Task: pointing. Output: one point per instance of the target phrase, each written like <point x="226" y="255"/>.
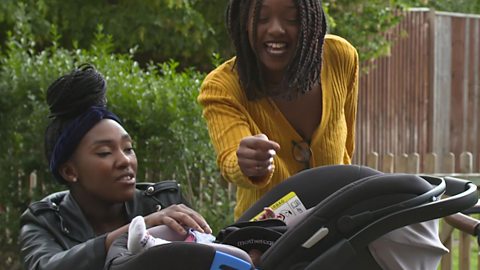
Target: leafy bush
<point x="157" y="105"/>
<point x="162" y="29"/>
<point x="191" y="30"/>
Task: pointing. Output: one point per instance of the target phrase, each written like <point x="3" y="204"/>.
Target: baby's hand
<point x="269" y="214"/>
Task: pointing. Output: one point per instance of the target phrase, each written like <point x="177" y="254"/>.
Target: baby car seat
<point x="350" y="207"/>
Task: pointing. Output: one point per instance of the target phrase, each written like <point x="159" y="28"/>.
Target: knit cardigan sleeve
<point x="228" y="121"/>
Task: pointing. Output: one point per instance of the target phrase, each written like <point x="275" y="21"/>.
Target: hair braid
<point x="307" y="62"/>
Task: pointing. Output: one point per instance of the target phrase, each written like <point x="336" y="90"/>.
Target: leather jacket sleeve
<point x="41" y="250"/>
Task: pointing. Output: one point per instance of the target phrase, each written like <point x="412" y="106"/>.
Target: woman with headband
<point x="91" y="153"/>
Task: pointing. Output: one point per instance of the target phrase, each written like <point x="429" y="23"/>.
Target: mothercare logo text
<point x="254" y="241"/>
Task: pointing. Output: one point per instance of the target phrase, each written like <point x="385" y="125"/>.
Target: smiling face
<point x="276" y="36"/>
<point x="103" y="166"/>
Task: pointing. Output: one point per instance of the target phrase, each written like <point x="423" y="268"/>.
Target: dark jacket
<point x="56" y="235"/>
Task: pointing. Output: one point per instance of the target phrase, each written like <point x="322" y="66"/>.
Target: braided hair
<point x="303" y="71"/>
<point x="68" y="97"/>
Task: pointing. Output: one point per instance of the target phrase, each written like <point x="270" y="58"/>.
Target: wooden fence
<point x="425" y="96"/>
<point x="432" y="165"/>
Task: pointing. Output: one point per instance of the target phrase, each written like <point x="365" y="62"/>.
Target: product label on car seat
<point x="285" y="209"/>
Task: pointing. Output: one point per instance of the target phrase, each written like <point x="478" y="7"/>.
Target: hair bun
<point x="73" y="93"/>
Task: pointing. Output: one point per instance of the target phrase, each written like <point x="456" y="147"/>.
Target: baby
<point x="141" y="239"/>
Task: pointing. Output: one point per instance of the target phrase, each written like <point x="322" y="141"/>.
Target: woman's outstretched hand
<point x="177" y="217"/>
<point x="255" y="155"/>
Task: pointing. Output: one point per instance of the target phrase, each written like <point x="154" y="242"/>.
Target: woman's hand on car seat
<point x="178" y="217"/>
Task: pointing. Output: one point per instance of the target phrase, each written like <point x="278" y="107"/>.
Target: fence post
<point x="372" y="160"/>
<point x="387" y="164"/>
<point x="466" y="162"/>
<point x="446" y="238"/>
<point x="401" y="163"/>
<point x="448" y="164"/>
<point x="446" y="232"/>
<point x="32" y="185"/>
<point x="466" y="166"/>
<point x="429" y="163"/>
<point x="413" y="165"/>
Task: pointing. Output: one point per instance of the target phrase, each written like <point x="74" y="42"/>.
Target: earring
<point x="74" y="179"/>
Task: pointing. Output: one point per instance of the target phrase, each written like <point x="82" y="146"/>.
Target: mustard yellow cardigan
<point x="230" y="117"/>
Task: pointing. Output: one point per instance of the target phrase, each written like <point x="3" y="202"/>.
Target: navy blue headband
<point x="73" y="133"/>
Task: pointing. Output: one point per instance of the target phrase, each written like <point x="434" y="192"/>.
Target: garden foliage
<point x="189" y="31"/>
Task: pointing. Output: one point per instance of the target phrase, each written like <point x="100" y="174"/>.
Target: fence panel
<point x="425" y="96"/>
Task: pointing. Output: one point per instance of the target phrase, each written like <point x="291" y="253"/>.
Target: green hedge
<point x="157" y="105"/>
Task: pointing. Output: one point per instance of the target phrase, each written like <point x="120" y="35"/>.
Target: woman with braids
<point x="286" y="102"/>
<point x="91" y="153"/>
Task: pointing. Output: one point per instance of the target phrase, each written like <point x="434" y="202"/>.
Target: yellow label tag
<point x="285" y="208"/>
